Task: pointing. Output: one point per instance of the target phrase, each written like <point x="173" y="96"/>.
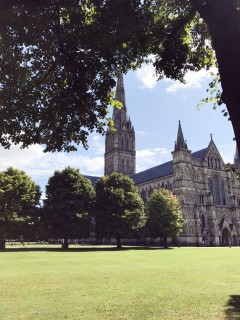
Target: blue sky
<point x="155" y="109"/>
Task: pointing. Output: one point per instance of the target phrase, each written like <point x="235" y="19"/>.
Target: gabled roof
<point x="159" y="171"/>
<point x="200" y="154"/>
<point x="212" y="146"/>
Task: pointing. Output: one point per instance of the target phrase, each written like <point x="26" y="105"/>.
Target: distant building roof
<point x="92" y="179"/>
<point x="200" y="154"/>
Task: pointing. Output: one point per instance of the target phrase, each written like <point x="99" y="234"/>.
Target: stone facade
<point x="209" y="195"/>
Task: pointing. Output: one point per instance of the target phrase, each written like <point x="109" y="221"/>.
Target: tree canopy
<point x="183" y="36"/>
<point x="68" y="206"/>
<point x="19" y="198"/>
<point x="164" y="216"/>
<point x="119" y="207"/>
<point x="58" y="60"/>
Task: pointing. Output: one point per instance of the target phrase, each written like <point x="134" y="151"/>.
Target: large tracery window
<point x="210" y="184"/>
<point x="127" y="165"/>
<point x="217" y="190"/>
<point x="127" y="144"/>
<point x="223" y="195"/>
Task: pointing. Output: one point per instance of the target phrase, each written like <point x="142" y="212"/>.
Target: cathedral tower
<point x="120" y="154"/>
<point x="184" y="188"/>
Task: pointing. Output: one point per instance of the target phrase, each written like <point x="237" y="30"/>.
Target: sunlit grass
<point x="104" y="283"/>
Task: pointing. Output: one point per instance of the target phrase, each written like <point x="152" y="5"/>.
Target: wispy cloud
<point x="147" y="158"/>
<point x="193" y="79"/>
<point x="146" y="75"/>
<point x="150" y="153"/>
<point x="40" y="165"/>
<point x="98" y="145"/>
<point x="143" y="133"/>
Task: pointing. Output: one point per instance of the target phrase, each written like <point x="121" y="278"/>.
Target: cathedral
<point x="209" y="195"/>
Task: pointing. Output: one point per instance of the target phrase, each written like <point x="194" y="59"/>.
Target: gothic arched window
<point x="223" y="195"/>
<point x="123" y="165"/>
<point x="127" y="143"/>
<point x="210" y="185"/>
<point x="216" y="188"/>
<point x="127" y="165"/>
<point x="123" y="143"/>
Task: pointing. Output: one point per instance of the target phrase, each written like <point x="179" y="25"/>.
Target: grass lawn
<point x="102" y="283"/>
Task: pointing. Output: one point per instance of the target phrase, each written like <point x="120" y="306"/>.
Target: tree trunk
<point x="65" y="244"/>
<point x="223" y="21"/>
<point x="165" y="243"/>
<point x="119" y="243"/>
<point x="2" y="244"/>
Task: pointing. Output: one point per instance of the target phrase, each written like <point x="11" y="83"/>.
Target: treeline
<point x="72" y="208"/>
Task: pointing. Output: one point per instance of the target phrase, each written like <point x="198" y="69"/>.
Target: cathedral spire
<point x="120" y="115"/>
<point x="120" y="92"/>
<point x="180" y="143"/>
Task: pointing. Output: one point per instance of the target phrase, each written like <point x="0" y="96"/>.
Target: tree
<point x="68" y="205"/>
<point x="19" y="200"/>
<point x="119" y="208"/>
<point x="182" y="37"/>
<point x="164" y="216"/>
<point x="58" y="60"/>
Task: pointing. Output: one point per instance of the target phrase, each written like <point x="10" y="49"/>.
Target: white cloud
<point x="161" y="150"/>
<point x="140" y="168"/>
<point x="98" y="145"/>
<point x="145" y="154"/>
<point x="40" y="166"/>
<point x="147" y="158"/>
<point x="151" y="153"/>
<point x="193" y="79"/>
<point x="143" y="133"/>
<point x="146" y="76"/>
<point x="18" y="157"/>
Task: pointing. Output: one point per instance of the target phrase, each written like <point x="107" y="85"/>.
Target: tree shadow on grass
<point x="233" y="308"/>
<point x="82" y="249"/>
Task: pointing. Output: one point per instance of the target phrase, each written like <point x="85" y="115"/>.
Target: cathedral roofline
<point x="163" y="170"/>
<point x="160" y="171"/>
